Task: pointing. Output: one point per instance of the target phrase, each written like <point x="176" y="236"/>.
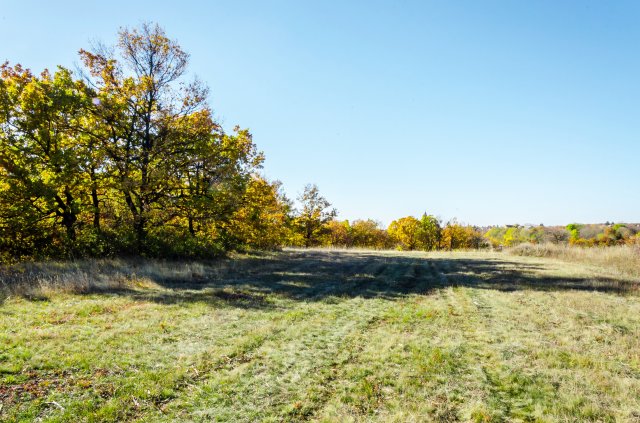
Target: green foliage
<point x="315" y="213"/>
<point x="495" y="236"/>
<point x="262" y="219"/>
<point x="41" y="157"/>
<point x="429" y="233"/>
<point x="127" y="160"/>
<point x="574" y="232"/>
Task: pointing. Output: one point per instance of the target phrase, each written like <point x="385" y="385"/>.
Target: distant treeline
<point x="125" y="158"/>
<point x="587" y="235"/>
<point x="429" y="233"/>
<point x="408" y="233"/>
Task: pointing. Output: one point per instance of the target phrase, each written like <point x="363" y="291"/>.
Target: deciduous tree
<point x="315" y="212"/>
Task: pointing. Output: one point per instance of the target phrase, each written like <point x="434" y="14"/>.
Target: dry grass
<point x="623" y="259"/>
<point x="35" y="280"/>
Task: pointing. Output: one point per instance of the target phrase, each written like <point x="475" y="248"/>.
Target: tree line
<point x="583" y="235"/>
<point x="407" y="234"/>
<point x="124" y="157"/>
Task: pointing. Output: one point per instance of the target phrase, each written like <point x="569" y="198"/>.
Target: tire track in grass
<point x="329" y="373"/>
<point x="309" y="353"/>
<point x="316" y="331"/>
<point x="196" y="368"/>
<point x="289" y="373"/>
<point x="411" y="365"/>
<point x="130" y="386"/>
<point x="207" y="367"/>
<point x="513" y="388"/>
<point x="471" y="320"/>
<point x="241" y="351"/>
<point x="552" y="347"/>
<point x="369" y="382"/>
<point x="471" y="310"/>
<point x="509" y="392"/>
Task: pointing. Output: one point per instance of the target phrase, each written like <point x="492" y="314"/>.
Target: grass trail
<point x="332" y="336"/>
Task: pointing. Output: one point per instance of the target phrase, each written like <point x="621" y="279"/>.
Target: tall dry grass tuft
<point x="623" y="259"/>
<point x="40" y="279"/>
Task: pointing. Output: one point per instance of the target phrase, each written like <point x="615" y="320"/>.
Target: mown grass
<point x="323" y="336"/>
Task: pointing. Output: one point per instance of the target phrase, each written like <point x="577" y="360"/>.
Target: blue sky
<point x="493" y="112"/>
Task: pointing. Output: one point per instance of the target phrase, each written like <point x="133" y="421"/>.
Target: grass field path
<point x="316" y="335"/>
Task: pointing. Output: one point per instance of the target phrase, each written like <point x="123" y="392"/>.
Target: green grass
<point x="324" y="336"/>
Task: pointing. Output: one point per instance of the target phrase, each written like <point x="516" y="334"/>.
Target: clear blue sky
<point x="490" y="111"/>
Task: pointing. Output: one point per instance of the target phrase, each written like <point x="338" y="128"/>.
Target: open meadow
<point x="321" y="335"/>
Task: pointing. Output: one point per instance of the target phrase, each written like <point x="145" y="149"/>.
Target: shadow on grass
<point x="316" y="275"/>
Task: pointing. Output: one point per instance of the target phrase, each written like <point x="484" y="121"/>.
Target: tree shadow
<point x="317" y="275"/>
<point x="320" y="275"/>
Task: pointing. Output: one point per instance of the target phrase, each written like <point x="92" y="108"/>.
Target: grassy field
<point x="321" y="335"/>
<point x="619" y="259"/>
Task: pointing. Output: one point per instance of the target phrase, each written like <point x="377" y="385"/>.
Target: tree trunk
<point x="191" y="229"/>
<point x="139" y="221"/>
<point x="139" y="226"/>
<point x="95" y="200"/>
<point x="68" y="213"/>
